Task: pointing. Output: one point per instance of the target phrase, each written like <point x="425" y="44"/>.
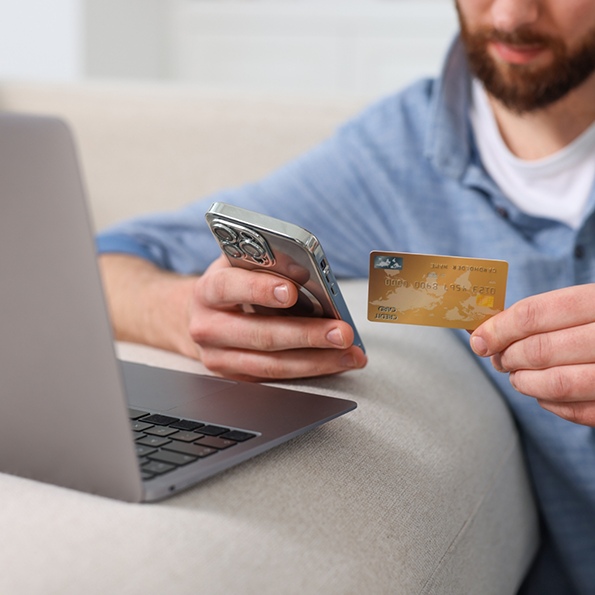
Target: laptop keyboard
<point x="165" y="443"/>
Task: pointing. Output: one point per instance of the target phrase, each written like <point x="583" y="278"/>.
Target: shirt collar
<point x="447" y="142"/>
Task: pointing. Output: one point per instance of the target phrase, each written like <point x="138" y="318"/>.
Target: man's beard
<point x="525" y="88"/>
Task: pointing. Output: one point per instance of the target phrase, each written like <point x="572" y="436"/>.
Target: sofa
<point x="421" y="490"/>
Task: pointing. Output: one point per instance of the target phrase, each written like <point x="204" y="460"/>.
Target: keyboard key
<point x="144" y="475"/>
<point x="186" y="436"/>
<point x="213" y="430"/>
<point x="218" y="443"/>
<point x="143" y="451"/>
<point x="140" y="426"/>
<point x="136" y="413"/>
<point x="186" y="424"/>
<point x="160" y="420"/>
<point x="174" y="458"/>
<point x="237" y="435"/>
<point x="137" y="435"/>
<point x="154" y="441"/>
<point x="190" y="449"/>
<point x="160" y="431"/>
<point x="157" y="467"/>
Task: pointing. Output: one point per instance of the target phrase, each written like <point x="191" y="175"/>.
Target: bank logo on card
<point x="388" y="262"/>
<point x="435" y="290"/>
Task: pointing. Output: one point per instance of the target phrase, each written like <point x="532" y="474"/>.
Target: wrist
<point x="148" y="305"/>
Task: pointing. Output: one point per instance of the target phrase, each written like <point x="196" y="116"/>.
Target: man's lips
<point x="517" y="54"/>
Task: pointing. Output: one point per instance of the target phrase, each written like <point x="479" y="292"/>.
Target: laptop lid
<point x="63" y="394"/>
<point x="64" y="415"/>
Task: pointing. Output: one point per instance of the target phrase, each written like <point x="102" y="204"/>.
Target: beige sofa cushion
<point x="148" y="147"/>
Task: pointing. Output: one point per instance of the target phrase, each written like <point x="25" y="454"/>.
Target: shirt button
<point x="579" y="252"/>
<point x="502" y="212"/>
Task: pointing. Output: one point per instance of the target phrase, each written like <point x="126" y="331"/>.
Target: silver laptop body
<point x="64" y="397"/>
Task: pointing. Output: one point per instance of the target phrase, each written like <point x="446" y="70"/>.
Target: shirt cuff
<point x="123" y="244"/>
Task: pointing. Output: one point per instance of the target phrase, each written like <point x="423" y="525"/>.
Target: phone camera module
<point x="242" y="243"/>
<point x="232" y="250"/>
<point x="224" y="233"/>
<point x="253" y="249"/>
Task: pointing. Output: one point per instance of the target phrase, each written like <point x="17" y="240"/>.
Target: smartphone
<point x="260" y="243"/>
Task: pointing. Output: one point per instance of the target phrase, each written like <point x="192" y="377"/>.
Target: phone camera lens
<point x="252" y="249"/>
<point x="232" y="250"/>
<point x="224" y="233"/>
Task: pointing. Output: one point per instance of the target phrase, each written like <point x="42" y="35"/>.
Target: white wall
<point x="349" y="48"/>
<point x="41" y="39"/>
<point x="346" y="47"/>
<point x="128" y="38"/>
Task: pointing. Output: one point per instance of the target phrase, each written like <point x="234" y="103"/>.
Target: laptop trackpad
<point x="159" y="389"/>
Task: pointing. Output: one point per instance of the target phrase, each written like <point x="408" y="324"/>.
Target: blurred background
<point x="171" y="100"/>
<point x="355" y="48"/>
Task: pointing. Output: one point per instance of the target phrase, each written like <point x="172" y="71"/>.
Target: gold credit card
<point x="435" y="290"/>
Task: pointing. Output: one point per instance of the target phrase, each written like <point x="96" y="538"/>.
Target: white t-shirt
<point x="556" y="187"/>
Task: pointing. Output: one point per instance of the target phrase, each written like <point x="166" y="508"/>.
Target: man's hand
<point x="547" y="344"/>
<point x="202" y="317"/>
<point x="255" y="347"/>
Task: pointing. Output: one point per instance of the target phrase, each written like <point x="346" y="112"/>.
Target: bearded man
<point x="495" y="159"/>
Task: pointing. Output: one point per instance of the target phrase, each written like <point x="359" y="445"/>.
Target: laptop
<point x="71" y="413"/>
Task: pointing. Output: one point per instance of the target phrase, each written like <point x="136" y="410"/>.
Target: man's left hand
<point x="547" y="345"/>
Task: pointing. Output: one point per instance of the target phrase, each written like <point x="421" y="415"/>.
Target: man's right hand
<point x="203" y="318"/>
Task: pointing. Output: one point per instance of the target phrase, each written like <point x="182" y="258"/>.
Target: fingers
<point x="237" y="330"/>
<point x="224" y="287"/>
<point x="566" y="391"/>
<point x="547" y="344"/>
<point x="250" y="346"/>
<point x="578" y="412"/>
<point x="559" y="384"/>
<point x="575" y="345"/>
<point x="552" y="311"/>
<point x="255" y="366"/>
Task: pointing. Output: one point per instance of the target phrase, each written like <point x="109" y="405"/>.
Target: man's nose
<point x="510" y="15"/>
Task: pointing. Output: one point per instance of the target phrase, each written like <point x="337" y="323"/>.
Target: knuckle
<point x="527" y="314"/>
<point x="271" y="368"/>
<point x="210" y="288"/>
<point x="310" y="340"/>
<point x="572" y="412"/>
<point x="217" y="288"/>
<point x="199" y="332"/>
<point x="538" y="350"/>
<point x="196" y="331"/>
<point x="560" y="384"/>
<point x="263" y="338"/>
<point x="212" y="360"/>
<point x="257" y="288"/>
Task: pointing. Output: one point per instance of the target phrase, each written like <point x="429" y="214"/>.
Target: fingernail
<point x="348" y="361"/>
<point x="335" y="337"/>
<point x="479" y="346"/>
<point x="281" y="294"/>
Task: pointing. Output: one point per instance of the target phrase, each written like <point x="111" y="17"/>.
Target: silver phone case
<point x="258" y="242"/>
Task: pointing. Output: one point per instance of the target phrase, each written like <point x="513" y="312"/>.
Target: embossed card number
<point x="434" y="290"/>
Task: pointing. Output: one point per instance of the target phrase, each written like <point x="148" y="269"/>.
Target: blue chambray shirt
<point x="405" y="175"/>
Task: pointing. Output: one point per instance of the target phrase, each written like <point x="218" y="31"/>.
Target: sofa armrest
<point x="422" y="489"/>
